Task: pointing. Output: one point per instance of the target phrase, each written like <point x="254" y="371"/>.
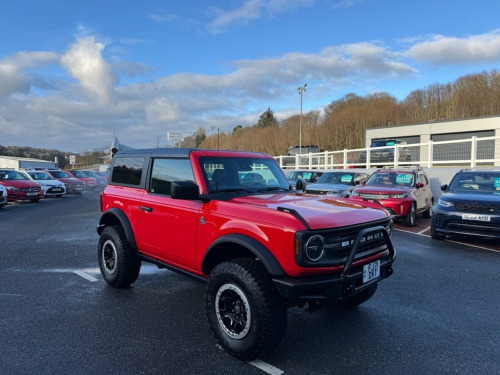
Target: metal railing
<point x="469" y="152"/>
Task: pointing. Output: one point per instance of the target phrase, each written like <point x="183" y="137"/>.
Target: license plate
<point x="56" y="189"/>
<point x="31" y="194"/>
<point x="476" y="217"/>
<point x="371" y="271"/>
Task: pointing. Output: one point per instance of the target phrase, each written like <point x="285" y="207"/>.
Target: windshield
<point x="12" y="175"/>
<point x="40" y="176"/>
<point x="395" y="179"/>
<point x="242" y="174"/>
<point x="479" y="182"/>
<point x="79" y="174"/>
<point x="60" y="174"/>
<point x="383" y="143"/>
<point x="338" y="178"/>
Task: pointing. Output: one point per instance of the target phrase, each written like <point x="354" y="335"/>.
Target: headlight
<point x="12" y="188"/>
<point x="315" y="248"/>
<point x="398" y="196"/>
<point x="444" y="203"/>
<point x="354" y="194"/>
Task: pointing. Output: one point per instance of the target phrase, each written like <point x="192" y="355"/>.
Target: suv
<point x="469" y="206"/>
<point x="404" y="192"/>
<point x="383" y="151"/>
<point x="231" y="219"/>
<point x="290" y="158"/>
<point x="338" y="183"/>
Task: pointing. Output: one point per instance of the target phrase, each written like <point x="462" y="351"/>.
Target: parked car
<point x="90" y="183"/>
<point x="3" y="196"/>
<point x="404" y="192"/>
<point x="469" y="206"/>
<point x="386" y="155"/>
<point x="20" y="187"/>
<point x="290" y="159"/>
<point x="308" y="175"/>
<point x="51" y="187"/>
<point x="99" y="179"/>
<point x="338" y="183"/>
<point x="73" y="185"/>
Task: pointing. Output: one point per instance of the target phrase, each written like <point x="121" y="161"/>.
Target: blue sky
<point x="74" y="72"/>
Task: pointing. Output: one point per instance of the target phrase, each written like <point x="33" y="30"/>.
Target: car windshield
<point x="337" y="178"/>
<point x="40" y="176"/>
<point x="395" y="179"/>
<point x="480" y="182"/>
<point x="12" y="175"/>
<point x="79" y="174"/>
<point x="229" y="174"/>
<point x="60" y="174"/>
<point x="295" y="175"/>
<point x="383" y="143"/>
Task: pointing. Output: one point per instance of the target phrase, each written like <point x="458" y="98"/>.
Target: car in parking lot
<point x="51" y="187"/>
<point x="99" y="178"/>
<point x="3" y="196"/>
<point x="337" y="183"/>
<point x="20" y="187"/>
<point x="90" y="183"/>
<point x="404" y="192"/>
<point x="382" y="151"/>
<point x="469" y="205"/>
<point x="73" y="185"/>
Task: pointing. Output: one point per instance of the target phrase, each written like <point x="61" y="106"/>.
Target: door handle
<point x="147" y="209"/>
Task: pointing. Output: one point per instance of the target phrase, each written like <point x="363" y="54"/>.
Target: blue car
<point x="469" y="206"/>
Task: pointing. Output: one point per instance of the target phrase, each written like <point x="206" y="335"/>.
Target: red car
<point x="90" y="183"/>
<point x="20" y="187"/>
<point x="73" y="185"/>
<point x="404" y="192"/>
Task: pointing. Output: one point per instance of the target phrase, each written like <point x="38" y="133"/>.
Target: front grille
<point x="476" y="207"/>
<point x="468" y="226"/>
<point x="28" y="190"/>
<point x="323" y="192"/>
<point x="374" y="196"/>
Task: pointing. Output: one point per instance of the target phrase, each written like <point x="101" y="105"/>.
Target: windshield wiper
<point x="233" y="191"/>
<point x="274" y="188"/>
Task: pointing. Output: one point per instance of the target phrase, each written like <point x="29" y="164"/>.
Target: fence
<point x="469" y="152"/>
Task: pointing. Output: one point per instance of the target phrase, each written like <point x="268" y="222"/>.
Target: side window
<point x="164" y="171"/>
<point x="128" y="170"/>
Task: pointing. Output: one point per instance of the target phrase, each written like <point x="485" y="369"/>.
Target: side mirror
<point x="444" y="187"/>
<point x="300" y="185"/>
<point x="363" y="183"/>
<point x="420" y="185"/>
<point x="184" y="190"/>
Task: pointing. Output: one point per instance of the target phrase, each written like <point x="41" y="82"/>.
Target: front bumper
<point x="452" y="223"/>
<point x="328" y="289"/>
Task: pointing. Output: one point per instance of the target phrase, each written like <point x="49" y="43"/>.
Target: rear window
<point x="128" y="170"/>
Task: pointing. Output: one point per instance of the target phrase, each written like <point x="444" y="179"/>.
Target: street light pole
<point x="301" y="91"/>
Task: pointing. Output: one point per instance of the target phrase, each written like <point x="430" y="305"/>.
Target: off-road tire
<point x="118" y="262"/>
<point x="428" y="213"/>
<point x="410" y="219"/>
<point x="357" y="299"/>
<point x="244" y="310"/>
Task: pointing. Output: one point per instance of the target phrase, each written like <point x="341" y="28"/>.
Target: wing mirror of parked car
<point x="420" y="185"/>
<point x="300" y="185"/>
<point x="186" y="190"/>
<point x="444" y="187"/>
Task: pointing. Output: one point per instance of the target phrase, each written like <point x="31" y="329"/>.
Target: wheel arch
<point x="115" y="216"/>
<point x="239" y="246"/>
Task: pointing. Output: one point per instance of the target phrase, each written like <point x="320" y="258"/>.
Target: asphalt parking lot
<point x="438" y="313"/>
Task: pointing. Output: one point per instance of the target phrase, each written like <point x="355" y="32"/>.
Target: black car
<point x="469" y="206"/>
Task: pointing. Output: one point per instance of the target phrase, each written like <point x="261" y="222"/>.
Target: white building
<point x="17" y="163"/>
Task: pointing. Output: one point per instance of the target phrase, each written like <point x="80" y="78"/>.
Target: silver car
<point x="338" y="183"/>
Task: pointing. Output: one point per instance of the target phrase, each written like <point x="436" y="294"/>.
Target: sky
<point x="75" y="73"/>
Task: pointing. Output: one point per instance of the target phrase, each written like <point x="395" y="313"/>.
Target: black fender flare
<point x="271" y="264"/>
<point x="111" y="216"/>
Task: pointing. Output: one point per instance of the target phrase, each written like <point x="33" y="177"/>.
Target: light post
<point x="301" y="91"/>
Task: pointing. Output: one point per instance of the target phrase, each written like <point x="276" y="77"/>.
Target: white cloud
<point x="252" y="10"/>
<point x="86" y="64"/>
<point x="442" y="50"/>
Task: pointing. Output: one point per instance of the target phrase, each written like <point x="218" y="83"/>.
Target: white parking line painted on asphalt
<point x="86" y="276"/>
<point x="266" y="367"/>
<point x="425" y="230"/>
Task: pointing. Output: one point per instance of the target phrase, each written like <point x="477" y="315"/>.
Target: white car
<point x="51" y="187"/>
<point x="3" y="196"/>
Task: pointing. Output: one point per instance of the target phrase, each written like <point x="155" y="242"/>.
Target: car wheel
<point x="410" y="218"/>
<point x="357" y="299"/>
<point x="118" y="262"/>
<point x="428" y="213"/>
<point x="244" y="310"/>
<point x="434" y="234"/>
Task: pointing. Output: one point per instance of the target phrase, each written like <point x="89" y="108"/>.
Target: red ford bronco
<point x="232" y="219"/>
